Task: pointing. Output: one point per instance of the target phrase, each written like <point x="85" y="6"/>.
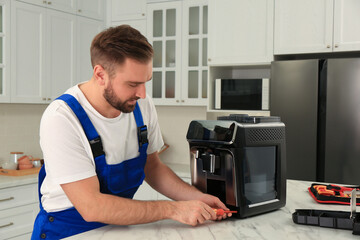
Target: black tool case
<point x="329" y="219"/>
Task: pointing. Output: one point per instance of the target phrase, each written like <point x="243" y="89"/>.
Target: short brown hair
<point x="113" y="45"/>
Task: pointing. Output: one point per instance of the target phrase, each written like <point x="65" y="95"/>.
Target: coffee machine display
<point x="241" y="160"/>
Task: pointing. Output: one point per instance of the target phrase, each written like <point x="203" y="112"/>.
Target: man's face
<point x="127" y="85"/>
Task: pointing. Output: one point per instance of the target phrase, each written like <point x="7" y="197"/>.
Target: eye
<point x="132" y="84"/>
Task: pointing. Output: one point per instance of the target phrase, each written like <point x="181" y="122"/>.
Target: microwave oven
<point x="242" y="94"/>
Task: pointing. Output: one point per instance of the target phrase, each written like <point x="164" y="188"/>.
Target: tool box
<point x="333" y="194"/>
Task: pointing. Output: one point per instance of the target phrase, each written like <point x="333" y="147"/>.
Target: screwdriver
<point x="220" y="212"/>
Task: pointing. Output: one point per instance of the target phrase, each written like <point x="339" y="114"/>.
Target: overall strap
<point x="89" y="129"/>
<point x="141" y="129"/>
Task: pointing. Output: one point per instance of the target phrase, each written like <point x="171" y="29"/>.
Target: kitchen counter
<point x="274" y="225"/>
<point x="13" y="181"/>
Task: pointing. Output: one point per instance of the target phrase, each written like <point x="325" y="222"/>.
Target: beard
<point x="115" y="102"/>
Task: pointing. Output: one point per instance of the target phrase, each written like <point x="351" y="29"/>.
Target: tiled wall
<point x="19" y="129"/>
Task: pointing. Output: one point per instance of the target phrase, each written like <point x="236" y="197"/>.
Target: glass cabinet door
<point x="164" y="33"/>
<point x="4" y="51"/>
<point x="195" y="69"/>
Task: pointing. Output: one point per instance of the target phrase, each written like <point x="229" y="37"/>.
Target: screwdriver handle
<point x="220" y="212"/>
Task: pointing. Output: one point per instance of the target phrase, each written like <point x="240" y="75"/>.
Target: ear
<point x="100" y="75"/>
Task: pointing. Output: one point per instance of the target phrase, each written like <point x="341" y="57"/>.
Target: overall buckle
<point x="142" y="135"/>
<point x="96" y="147"/>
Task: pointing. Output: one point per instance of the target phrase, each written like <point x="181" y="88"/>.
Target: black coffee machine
<point x="241" y="160"/>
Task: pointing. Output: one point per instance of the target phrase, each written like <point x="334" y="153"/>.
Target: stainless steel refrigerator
<point x="319" y="102"/>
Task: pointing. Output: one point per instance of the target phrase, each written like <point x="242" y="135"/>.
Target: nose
<point x="141" y="91"/>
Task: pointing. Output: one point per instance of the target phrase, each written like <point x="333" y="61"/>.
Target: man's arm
<point x="165" y="181"/>
<point x="95" y="206"/>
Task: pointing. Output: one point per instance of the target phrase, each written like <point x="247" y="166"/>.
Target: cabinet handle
<point x="44" y="99"/>
<point x="177" y="101"/>
<point x="79" y="10"/>
<point x="143" y="14"/>
<point x="7" y="199"/>
<point x="49" y="3"/>
<point x="7" y="225"/>
<point x="44" y="2"/>
<point x="182" y="100"/>
<point x="209" y="59"/>
<point x="336" y="45"/>
<point x="328" y="46"/>
<point x="49" y="99"/>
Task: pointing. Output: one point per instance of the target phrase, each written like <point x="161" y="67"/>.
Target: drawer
<point x="17" y="221"/>
<point x="18" y="196"/>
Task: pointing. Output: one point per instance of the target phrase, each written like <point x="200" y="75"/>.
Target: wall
<point x="174" y="123"/>
<point x="19" y="129"/>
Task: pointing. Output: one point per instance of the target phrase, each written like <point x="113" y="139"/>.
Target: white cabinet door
<point x="194" y="55"/>
<point x="164" y="33"/>
<point x="60" y="52"/>
<point x="91" y="8"/>
<point x="62" y="5"/>
<point x="86" y="31"/>
<point x="28" y="53"/>
<point x="5" y="51"/>
<point x="346" y="25"/>
<point x="240" y="32"/>
<point x="127" y="10"/>
<point x="304" y="26"/>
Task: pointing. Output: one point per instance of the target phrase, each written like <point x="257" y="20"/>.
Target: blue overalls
<point x="121" y="179"/>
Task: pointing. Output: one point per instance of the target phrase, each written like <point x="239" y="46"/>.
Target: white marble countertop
<point x="13" y="181"/>
<point x="274" y="225"/>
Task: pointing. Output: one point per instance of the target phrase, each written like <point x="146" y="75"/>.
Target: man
<point x="100" y="140"/>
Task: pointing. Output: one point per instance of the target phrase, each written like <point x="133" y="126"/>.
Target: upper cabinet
<point x="240" y="32"/>
<point x="164" y="33"/>
<point x="4" y="50"/>
<point x="194" y="55"/>
<point x="127" y="10"/>
<point x="86" y="8"/>
<point x="308" y="26"/>
<point x="46" y="55"/>
<point x="178" y="32"/>
<point x="90" y="8"/>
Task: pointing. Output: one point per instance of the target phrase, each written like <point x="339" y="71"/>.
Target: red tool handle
<point x="220" y="212"/>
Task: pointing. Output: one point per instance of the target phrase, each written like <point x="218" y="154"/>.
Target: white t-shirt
<point x="67" y="152"/>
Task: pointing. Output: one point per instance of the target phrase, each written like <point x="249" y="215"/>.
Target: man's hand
<point x="214" y="202"/>
<point x="192" y="212"/>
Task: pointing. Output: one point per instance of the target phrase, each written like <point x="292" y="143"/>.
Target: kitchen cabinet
<point x="178" y="32"/>
<point x="240" y="32"/>
<point x="316" y="26"/>
<point x="4" y="51"/>
<point x="62" y="5"/>
<point x="18" y="209"/>
<point x="87" y="8"/>
<point x="127" y="10"/>
<point x="85" y="32"/>
<point x="194" y="58"/>
<point x="44" y="55"/>
<point x="164" y="33"/>
<point x="90" y="8"/>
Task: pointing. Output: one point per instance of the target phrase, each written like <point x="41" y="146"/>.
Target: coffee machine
<point x="241" y="160"/>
